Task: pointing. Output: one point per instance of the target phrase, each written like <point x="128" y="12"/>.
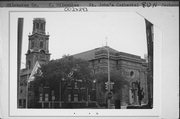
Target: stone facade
<point x="38" y="48"/>
<point x="131" y="67"/>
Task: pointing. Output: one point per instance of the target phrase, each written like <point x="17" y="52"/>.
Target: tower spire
<point x="39" y="25"/>
<point x="38" y="48"/>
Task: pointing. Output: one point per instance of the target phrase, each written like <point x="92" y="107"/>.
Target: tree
<point x="58" y="70"/>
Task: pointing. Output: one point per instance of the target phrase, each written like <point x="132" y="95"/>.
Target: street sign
<point x="107" y="85"/>
<point x="111" y="85"/>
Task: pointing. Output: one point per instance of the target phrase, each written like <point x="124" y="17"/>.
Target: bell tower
<point x="38" y="47"/>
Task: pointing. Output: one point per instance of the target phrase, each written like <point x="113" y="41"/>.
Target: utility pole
<point x="19" y="39"/>
<point x="109" y="90"/>
<point x="109" y="81"/>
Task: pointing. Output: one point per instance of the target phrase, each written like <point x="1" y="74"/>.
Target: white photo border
<point x="14" y="111"/>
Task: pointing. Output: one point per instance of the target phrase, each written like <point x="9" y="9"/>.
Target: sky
<point x="76" y="32"/>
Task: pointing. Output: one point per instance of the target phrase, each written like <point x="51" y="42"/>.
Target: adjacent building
<point x="38" y="50"/>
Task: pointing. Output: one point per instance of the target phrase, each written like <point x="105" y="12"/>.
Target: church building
<point x="132" y="69"/>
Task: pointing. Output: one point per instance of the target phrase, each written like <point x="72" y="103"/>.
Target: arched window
<point x="42" y="51"/>
<point x="32" y="45"/>
<point x="29" y="65"/>
<point x="41" y="44"/>
<point x="37" y="25"/>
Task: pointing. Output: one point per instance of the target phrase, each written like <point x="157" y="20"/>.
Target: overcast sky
<point x="72" y="33"/>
